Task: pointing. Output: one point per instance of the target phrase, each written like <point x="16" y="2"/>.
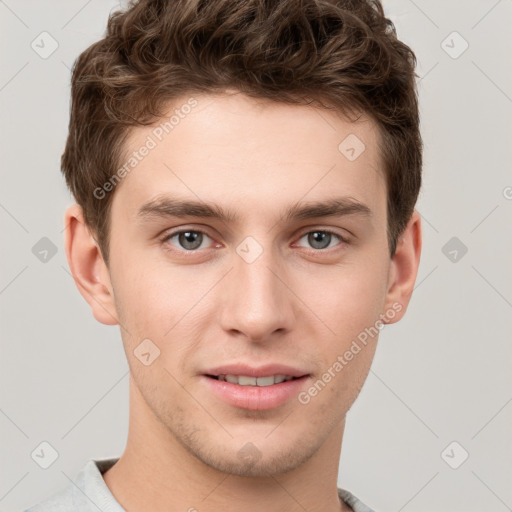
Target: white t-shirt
<point x="89" y="493"/>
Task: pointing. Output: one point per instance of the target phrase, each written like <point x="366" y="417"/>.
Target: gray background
<point x="441" y="375"/>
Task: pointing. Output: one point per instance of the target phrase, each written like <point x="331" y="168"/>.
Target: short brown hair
<point x="341" y="54"/>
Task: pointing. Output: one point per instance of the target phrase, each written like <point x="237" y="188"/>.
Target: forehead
<point x="251" y="154"/>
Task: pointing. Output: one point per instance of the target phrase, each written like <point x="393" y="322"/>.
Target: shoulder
<point x="87" y="493"/>
<point x="355" y="503"/>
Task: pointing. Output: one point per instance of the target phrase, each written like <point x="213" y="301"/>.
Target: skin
<point x="298" y="303"/>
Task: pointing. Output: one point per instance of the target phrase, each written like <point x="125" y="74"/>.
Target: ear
<point x="403" y="271"/>
<point x="88" y="268"/>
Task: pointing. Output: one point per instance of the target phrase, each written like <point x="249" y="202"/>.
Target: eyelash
<point x="169" y="236"/>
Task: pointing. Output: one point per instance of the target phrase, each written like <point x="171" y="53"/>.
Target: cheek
<point x="348" y="297"/>
<point x="349" y="310"/>
<point x="138" y="300"/>
<point x="348" y="301"/>
<point x="165" y="302"/>
<point x="159" y="301"/>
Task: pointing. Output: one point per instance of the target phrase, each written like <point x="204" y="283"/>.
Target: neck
<point x="156" y="472"/>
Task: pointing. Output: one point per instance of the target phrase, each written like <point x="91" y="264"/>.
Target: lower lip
<point x="256" y="398"/>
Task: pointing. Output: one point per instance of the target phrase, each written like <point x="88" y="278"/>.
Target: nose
<point x="257" y="304"/>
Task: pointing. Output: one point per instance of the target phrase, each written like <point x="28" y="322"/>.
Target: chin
<point x="270" y="459"/>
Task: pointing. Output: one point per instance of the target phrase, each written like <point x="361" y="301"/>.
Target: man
<point x="245" y="175"/>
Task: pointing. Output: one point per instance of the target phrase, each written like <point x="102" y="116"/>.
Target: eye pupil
<point x="189" y="239"/>
<point x="319" y="237"/>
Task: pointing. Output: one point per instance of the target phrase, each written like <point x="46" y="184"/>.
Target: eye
<point x="188" y="239"/>
<point x="321" y="239"/>
<point x="191" y="240"/>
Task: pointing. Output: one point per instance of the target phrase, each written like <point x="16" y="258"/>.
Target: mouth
<point x="247" y="380"/>
<point x="255" y="393"/>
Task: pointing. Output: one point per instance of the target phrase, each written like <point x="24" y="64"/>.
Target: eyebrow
<point x="166" y="206"/>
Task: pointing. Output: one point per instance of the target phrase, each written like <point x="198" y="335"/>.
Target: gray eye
<point x="319" y="239"/>
<point x="190" y="240"/>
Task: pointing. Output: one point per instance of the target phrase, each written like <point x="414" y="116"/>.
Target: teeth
<point x="244" y="380"/>
<point x="265" y="381"/>
<point x="247" y="381"/>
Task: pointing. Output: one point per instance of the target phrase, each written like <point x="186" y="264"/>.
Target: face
<point x="278" y="270"/>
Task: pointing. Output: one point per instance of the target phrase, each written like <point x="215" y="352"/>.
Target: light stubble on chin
<point x="252" y="459"/>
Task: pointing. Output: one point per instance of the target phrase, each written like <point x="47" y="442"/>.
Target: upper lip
<point x="260" y="371"/>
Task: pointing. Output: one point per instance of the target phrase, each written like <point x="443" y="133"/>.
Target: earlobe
<point x="403" y="271"/>
<point x="88" y="268"/>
